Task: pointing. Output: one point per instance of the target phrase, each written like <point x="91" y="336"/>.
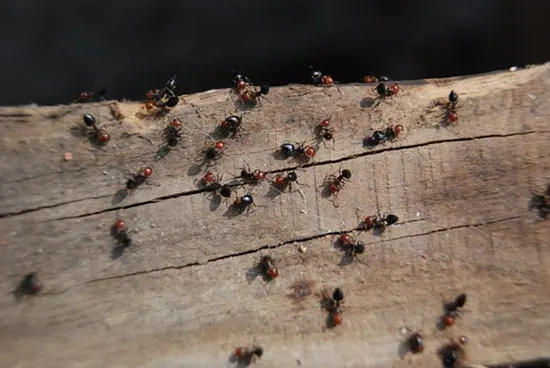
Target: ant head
<point x="292" y="176"/>
<point x="346" y="173"/>
<point x="89" y="119"/>
<point x="264" y="89"/>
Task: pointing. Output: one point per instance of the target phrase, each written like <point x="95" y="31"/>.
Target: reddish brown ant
<point x="389" y="134"/>
<point x="240" y="81"/>
<point x="98" y="135"/>
<point x="247" y="355"/>
<point x="379" y="223"/>
<point x="244" y="203"/>
<point x="120" y="233"/>
<point x="92" y="96"/>
<point x="30" y="285"/>
<point x="351" y="246"/>
<point x="325" y="132"/>
<point x="251" y="177"/>
<point x="209" y="180"/>
<point x="160" y="101"/>
<point x="332" y="305"/>
<point x="335" y="183"/>
<point x="267" y="268"/>
<point x="213" y="153"/>
<point x="253" y="97"/>
<point x="320" y="79"/>
<point x="415" y="343"/>
<point x="384" y="91"/>
<point x="283" y="181"/>
<point x="138" y="179"/>
<point x="172" y="132"/>
<point x="452" y="310"/>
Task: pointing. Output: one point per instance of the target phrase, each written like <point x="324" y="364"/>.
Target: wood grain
<point x="184" y="295"/>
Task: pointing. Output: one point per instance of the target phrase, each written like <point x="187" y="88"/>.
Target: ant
<point x="389" y="134"/>
<point x="268" y="268"/>
<point x="214" y="152"/>
<point x="163" y="99"/>
<point x="335" y="183"/>
<point x="252" y="176"/>
<point x="320" y="79"/>
<point x="172" y="132"/>
<point x="415" y="343"/>
<point x="87" y="96"/>
<point x="213" y="182"/>
<point x="326" y="132"/>
<point x="240" y="81"/>
<point x="120" y="233"/>
<point x="97" y="134"/>
<point x="244" y="203"/>
<point x="299" y="150"/>
<point x="541" y="203"/>
<point x="452" y="309"/>
<point x="246" y="356"/>
<point x="451" y="113"/>
<point x="351" y="246"/>
<point x="379" y="223"/>
<point x="232" y="124"/>
<point x="332" y="305"/>
<point x="283" y="181"/>
<point x="253" y="97"/>
<point x="137" y="179"/>
<point x="385" y="91"/>
<point x="452" y="353"/>
<point x="30" y="285"/>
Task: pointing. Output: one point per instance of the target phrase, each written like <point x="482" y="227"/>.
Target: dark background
<point x="52" y="50"/>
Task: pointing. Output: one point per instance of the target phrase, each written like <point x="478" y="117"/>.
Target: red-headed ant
<point x="213" y="182"/>
<point x="320" y="79"/>
<point x="379" y="223"/>
<point x="98" y="135"/>
<point x="332" y="305"/>
<point x="251" y="177"/>
<point x="452" y="309"/>
<point x="244" y="203"/>
<point x="351" y="246"/>
<point x="373" y="79"/>
<point x="240" y="81"/>
<point x="267" y="268"/>
<point x="138" y="179"/>
<point x="451" y="114"/>
<point x="30" y="285"/>
<point x="92" y="96"/>
<point x="252" y="97"/>
<point x="335" y="183"/>
<point x="415" y="343"/>
<point x="172" y="136"/>
<point x="232" y="124"/>
<point x="389" y="134"/>
<point x="283" y="181"/>
<point x="213" y="153"/>
<point x="325" y="132"/>
<point x="120" y="233"/>
<point x="299" y="151"/>
<point x="385" y="91"/>
<point x="247" y="355"/>
<point x="161" y="101"/>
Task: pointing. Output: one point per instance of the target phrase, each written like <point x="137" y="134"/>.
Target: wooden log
<point x="185" y="295"/>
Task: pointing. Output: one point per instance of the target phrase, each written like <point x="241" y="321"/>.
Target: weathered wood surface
<point x="181" y="296"/>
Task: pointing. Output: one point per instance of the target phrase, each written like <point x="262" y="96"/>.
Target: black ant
<point x="240" y="81"/>
<point x="326" y="132"/>
<point x="232" y="124"/>
<point x="389" y="134"/>
<point x="379" y="223"/>
<point x="252" y="176"/>
<point x="92" y="96"/>
<point x="97" y="134"/>
<point x="268" y="268"/>
<point x="252" y="97"/>
<point x="541" y="203"/>
<point x="452" y="309"/>
<point x="415" y="343"/>
<point x="332" y="305"/>
<point x="244" y="203"/>
<point x="300" y="150"/>
<point x="246" y="356"/>
<point x="137" y="179"/>
<point x="335" y="183"/>
<point x="30" y="285"/>
<point x="120" y="233"/>
<point x="284" y="181"/>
